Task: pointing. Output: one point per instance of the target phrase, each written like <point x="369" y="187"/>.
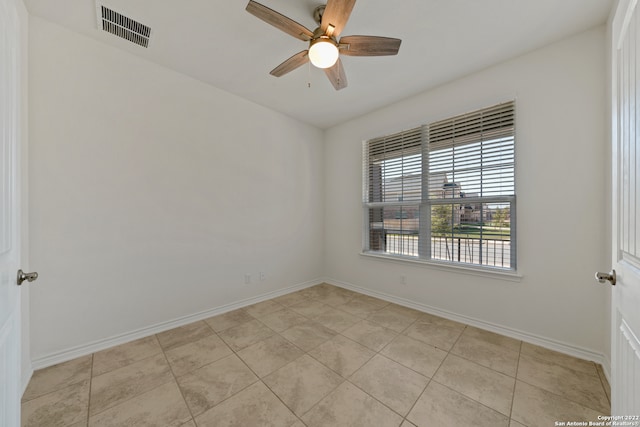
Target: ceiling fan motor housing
<point x="318" y="12"/>
<point x="319" y="34"/>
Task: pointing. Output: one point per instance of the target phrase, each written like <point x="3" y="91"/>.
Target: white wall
<point x="152" y="194"/>
<point x="561" y="197"/>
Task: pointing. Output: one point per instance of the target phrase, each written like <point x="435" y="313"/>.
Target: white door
<point x="10" y="388"/>
<point x="625" y="311"/>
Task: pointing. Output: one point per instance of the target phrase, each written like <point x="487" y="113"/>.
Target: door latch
<point x="29" y="277"/>
<point x="603" y="277"/>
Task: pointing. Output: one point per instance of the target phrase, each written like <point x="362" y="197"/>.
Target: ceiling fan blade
<point x="336" y="14"/>
<point x="336" y="75"/>
<point x="291" y="64"/>
<point x="369" y="46"/>
<point x="279" y="21"/>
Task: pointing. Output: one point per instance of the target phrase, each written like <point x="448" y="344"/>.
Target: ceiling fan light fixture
<point x="324" y="48"/>
<point x="323" y="52"/>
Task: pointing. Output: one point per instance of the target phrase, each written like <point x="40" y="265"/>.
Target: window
<point x="444" y="192"/>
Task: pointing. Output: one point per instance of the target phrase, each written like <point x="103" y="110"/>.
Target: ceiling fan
<point x="324" y="48"/>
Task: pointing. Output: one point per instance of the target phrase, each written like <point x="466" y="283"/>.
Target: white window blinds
<point x="393" y="167"/>
<point x="472" y="155"/>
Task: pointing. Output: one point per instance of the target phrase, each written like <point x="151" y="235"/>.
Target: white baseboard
<point x="549" y="343"/>
<point x="98" y="345"/>
<point x="102" y="344"/>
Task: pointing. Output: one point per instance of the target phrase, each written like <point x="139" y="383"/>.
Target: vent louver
<point x="124" y="27"/>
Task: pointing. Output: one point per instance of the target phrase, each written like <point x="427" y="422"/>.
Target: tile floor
<point x="323" y="356"/>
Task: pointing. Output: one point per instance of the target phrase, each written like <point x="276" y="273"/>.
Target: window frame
<point x="426" y="203"/>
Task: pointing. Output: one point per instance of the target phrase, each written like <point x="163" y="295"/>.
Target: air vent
<point x="122" y="26"/>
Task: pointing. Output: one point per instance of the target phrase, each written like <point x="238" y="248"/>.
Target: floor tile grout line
<point x="23" y="402"/>
<point x="129" y="364"/>
<point x="485" y="366"/>
<point x="553" y="392"/>
<point x="312" y="406"/>
<point x="557" y="395"/>
<point x="379" y="352"/>
<point x="560" y="365"/>
<point x="307" y="354"/>
<point x="600" y="371"/>
<point x="343" y="378"/>
<point x="267" y="326"/>
<point x="259" y="379"/>
<point x="175" y="379"/>
<point x="162" y="351"/>
<point x="384" y="404"/>
<point x="448" y="353"/>
<point x="472" y="399"/>
<point x="61" y="387"/>
<point x="406" y="417"/>
<point x="227" y="398"/>
<point x="515" y="378"/>
<point x="513" y="395"/>
<point x="346" y="379"/>
<point x="129" y="398"/>
<point x="319" y="361"/>
<point x="456" y="391"/>
<point x="90" y="386"/>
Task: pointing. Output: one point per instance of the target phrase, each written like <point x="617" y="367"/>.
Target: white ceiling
<point x="219" y="43"/>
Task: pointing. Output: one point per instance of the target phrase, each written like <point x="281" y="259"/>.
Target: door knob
<point x="603" y="277"/>
<point x="29" y="277"/>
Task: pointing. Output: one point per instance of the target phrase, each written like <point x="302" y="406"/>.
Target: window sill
<point x="454" y="268"/>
